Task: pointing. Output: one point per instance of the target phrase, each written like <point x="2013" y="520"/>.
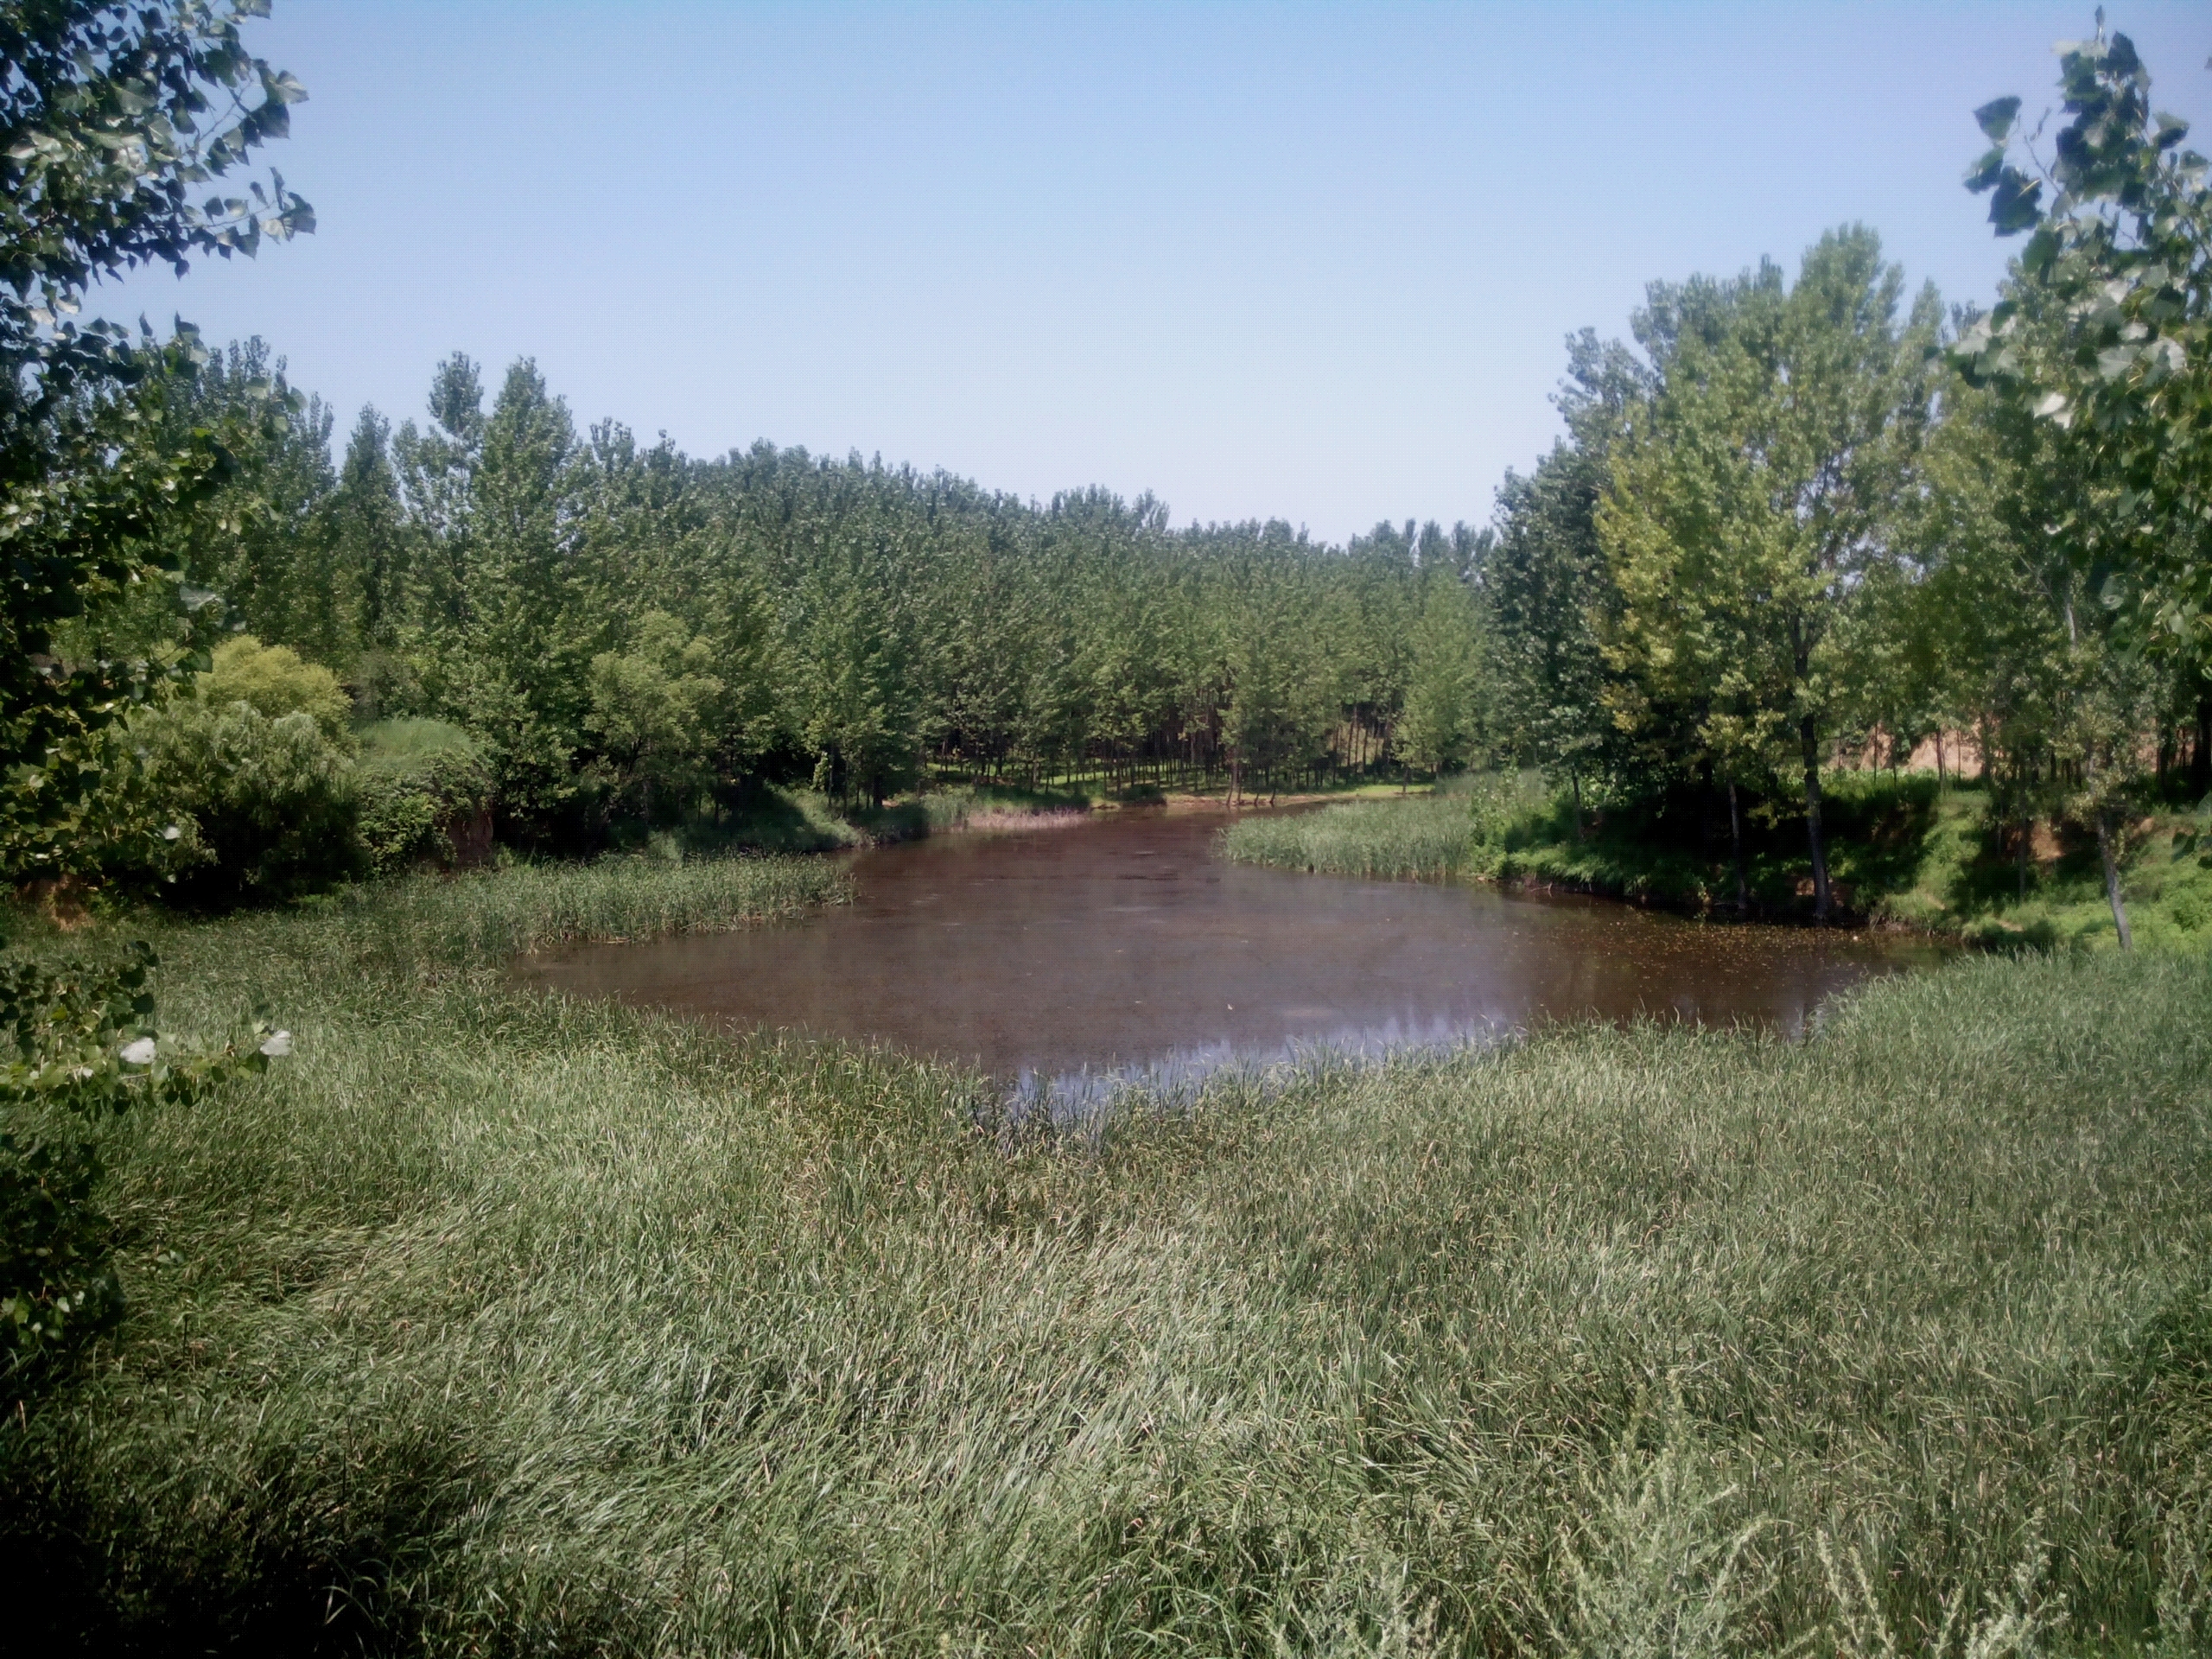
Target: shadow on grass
<point x="87" y="1570"/>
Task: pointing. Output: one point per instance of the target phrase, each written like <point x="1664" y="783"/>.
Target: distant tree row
<point x="633" y="633"/>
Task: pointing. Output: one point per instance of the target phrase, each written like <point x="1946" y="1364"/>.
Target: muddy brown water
<point x="1127" y="946"/>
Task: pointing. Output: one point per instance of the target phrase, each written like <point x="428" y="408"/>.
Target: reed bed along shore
<point x="492" y="916"/>
<point x="497" y="1324"/>
<point x="1425" y="837"/>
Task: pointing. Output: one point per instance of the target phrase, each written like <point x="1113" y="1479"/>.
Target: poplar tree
<point x="1755" y="490"/>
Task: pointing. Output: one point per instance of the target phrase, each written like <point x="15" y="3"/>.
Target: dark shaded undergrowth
<point x="1904" y="850"/>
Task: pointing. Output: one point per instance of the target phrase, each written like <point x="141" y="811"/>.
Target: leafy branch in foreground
<point x="80" y="1046"/>
<point x="2120" y="265"/>
<point x="2103" y="341"/>
<point x="111" y="116"/>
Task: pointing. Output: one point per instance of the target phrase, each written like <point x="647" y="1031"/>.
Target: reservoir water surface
<point x="1126" y="945"/>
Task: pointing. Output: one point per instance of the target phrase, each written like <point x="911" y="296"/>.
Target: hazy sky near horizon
<point x="1305" y="262"/>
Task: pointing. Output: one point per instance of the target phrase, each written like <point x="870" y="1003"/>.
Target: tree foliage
<point x="2105" y="329"/>
<point x="112" y="117"/>
<point x="1756" y="491"/>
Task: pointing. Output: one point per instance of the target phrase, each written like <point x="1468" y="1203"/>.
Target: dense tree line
<point x="635" y="634"/>
<point x="1788" y="523"/>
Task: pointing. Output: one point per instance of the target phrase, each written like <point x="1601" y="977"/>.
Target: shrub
<point x="276" y="681"/>
<point x="269" y="802"/>
<point x="422" y="791"/>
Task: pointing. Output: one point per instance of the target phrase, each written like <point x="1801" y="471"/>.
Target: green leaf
<point x="1996" y="118"/>
<point x="2018" y="203"/>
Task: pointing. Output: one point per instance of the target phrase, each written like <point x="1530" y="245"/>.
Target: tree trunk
<point x="2200" y="759"/>
<point x="2104" y="834"/>
<point x="1810" y="735"/>
<point x="1736" y="842"/>
<point x="1574" y="780"/>
<point x="2112" y="881"/>
<point x="2027" y="837"/>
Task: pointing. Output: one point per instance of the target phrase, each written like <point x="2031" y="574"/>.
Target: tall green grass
<point x="490" y="1323"/>
<point x="492" y="916"/>
<point x="1433" y="836"/>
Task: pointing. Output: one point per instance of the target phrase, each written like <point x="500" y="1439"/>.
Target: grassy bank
<point x="488" y="1324"/>
<point x="1901" y="850"/>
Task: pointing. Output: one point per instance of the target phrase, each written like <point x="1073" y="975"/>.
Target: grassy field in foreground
<point x="494" y="1324"/>
<point x="1901" y="850"/>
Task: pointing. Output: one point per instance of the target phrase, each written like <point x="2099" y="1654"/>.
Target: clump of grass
<point x="402" y="743"/>
<point x="1447" y="832"/>
<point x="777" y="819"/>
<point x="774" y="819"/>
<point x="963" y="806"/>
<point x="496" y="915"/>
<point x="1426" y="836"/>
<point x="494" y="1324"/>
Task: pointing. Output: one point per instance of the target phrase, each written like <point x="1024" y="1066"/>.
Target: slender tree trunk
<point x="2105" y="837"/>
<point x="2199" y="758"/>
<point x="1810" y="735"/>
<point x="2027" y="838"/>
<point x="2112" y="881"/>
<point x="1735" y="844"/>
<point x="1574" y="782"/>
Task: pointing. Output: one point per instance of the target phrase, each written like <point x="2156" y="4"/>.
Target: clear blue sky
<point x="1310" y="261"/>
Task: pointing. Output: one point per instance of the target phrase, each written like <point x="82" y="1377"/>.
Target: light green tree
<point x="652" y="711"/>
<point x="1755" y="490"/>
<point x="1440" y="727"/>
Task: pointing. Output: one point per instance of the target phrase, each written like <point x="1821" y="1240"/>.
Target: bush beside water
<point x="422" y="791"/>
<point x="491" y="1323"/>
<point x="264" y="805"/>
